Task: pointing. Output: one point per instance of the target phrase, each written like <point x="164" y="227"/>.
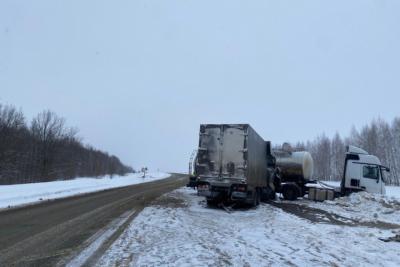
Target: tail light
<point x="240" y="188"/>
<point x="202" y="186"/>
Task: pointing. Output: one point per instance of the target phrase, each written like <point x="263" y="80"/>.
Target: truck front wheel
<point x="290" y="192"/>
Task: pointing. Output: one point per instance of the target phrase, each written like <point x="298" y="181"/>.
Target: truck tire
<point x="211" y="202"/>
<point x="266" y="194"/>
<point x="272" y="196"/>
<point x="290" y="192"/>
<point x="256" y="199"/>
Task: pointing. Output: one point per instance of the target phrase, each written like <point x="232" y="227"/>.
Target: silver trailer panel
<point x="231" y="153"/>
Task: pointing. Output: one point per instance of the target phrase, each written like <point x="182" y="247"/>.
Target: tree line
<point x="378" y="138"/>
<point x="47" y="150"/>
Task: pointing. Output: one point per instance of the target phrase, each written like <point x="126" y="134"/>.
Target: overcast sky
<point x="138" y="77"/>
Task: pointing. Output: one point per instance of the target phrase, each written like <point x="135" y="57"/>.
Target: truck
<point x="362" y="172"/>
<point x="293" y="172"/>
<point x="234" y="164"/>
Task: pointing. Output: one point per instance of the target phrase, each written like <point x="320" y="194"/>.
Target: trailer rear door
<point x="222" y="151"/>
<point x="234" y="151"/>
<point x="208" y="156"/>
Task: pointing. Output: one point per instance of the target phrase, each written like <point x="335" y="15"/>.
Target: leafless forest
<point x="379" y="138"/>
<point x="46" y="149"/>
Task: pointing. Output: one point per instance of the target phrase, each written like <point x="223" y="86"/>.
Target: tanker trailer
<point x="293" y="171"/>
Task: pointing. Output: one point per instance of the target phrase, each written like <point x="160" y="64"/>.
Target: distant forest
<point x="47" y="150"/>
<point x="378" y="138"/>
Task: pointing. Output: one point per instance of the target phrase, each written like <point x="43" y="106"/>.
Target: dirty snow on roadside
<point x="179" y="230"/>
<point x="21" y="194"/>
<point x="391" y="191"/>
<point x="363" y="206"/>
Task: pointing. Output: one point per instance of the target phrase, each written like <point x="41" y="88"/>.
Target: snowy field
<point x="21" y="194"/>
<point x="179" y="230"/>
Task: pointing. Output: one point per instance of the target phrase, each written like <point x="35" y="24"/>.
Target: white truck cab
<point x="363" y="172"/>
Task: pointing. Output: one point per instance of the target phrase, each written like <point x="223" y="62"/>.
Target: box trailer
<point x="233" y="164"/>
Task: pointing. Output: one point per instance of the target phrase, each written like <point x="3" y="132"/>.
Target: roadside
<point x="44" y="234"/>
<point x="179" y="229"/>
<point x="321" y="215"/>
<point x="359" y="208"/>
<point x="26" y="194"/>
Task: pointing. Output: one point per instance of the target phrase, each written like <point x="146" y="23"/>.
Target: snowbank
<point x="181" y="231"/>
<point x="391" y="191"/>
<point x="21" y="194"/>
<point x="363" y="207"/>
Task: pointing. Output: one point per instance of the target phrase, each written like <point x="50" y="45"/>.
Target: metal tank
<point x="294" y="166"/>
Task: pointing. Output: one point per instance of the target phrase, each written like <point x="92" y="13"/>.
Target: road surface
<point x="50" y="233"/>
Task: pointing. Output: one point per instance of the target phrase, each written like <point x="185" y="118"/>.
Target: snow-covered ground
<point x="21" y="194"/>
<point x="179" y="230"/>
<point x="391" y="191"/>
<point x="363" y="207"/>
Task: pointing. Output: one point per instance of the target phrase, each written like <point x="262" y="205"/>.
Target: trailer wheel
<point x="258" y="197"/>
<point x="272" y="195"/>
<point x="211" y="202"/>
<point x="290" y="192"/>
<point x="266" y="193"/>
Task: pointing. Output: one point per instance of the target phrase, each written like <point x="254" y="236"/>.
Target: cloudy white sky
<point x="138" y="77"/>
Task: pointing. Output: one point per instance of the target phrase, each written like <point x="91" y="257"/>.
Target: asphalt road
<point x="45" y="234"/>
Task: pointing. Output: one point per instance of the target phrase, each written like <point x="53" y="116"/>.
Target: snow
<point x="190" y="234"/>
<point x="22" y="194"/>
<point x="391" y="191"/>
<point x="362" y="207"/>
<point x="332" y="183"/>
<point x="98" y="239"/>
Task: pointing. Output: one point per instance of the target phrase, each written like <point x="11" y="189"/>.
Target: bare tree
<point x="47" y="150"/>
<point x="337" y="160"/>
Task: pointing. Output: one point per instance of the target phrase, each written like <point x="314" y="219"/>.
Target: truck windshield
<point x="371" y="172"/>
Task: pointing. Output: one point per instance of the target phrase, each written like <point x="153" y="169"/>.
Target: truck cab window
<point x="383" y="172"/>
<point x="371" y="172"/>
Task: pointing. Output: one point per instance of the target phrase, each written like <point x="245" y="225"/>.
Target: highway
<point x="50" y="233"/>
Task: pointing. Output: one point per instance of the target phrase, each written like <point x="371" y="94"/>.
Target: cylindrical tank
<point x="295" y="165"/>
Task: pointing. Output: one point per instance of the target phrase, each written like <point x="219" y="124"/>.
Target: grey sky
<point x="138" y="77"/>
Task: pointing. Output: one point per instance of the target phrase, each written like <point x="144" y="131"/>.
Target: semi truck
<point x="362" y="172"/>
<point x="234" y="164"/>
<point x="294" y="173"/>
